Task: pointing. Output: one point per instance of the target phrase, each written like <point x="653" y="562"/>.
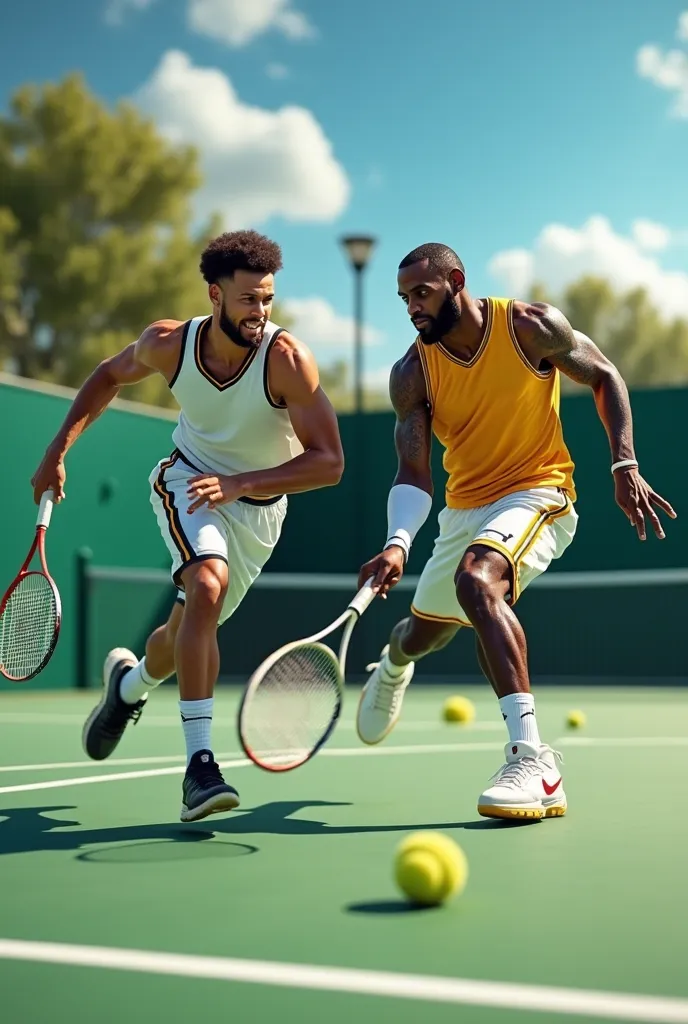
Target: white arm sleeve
<point x="407" y="509"/>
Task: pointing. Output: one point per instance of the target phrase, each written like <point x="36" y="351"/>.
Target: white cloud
<point x="117" y="10"/>
<point x="563" y="254"/>
<point x="651" y="236"/>
<point x="238" y="22"/>
<point x="315" y="322"/>
<point x="682" y="32"/>
<point x="277" y="71"/>
<point x="256" y="163"/>
<point x="668" y="70"/>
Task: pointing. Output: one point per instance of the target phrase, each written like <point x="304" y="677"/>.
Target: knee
<point x="476" y="593"/>
<point x="206" y="587"/>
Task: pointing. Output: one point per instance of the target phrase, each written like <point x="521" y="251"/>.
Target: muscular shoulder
<point x="160" y="345"/>
<point x="541" y="329"/>
<point x="292" y="369"/>
<point x="407" y="387"/>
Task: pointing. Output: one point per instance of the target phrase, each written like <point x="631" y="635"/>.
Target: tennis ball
<point x="459" y="709"/>
<point x="430" y="868"/>
<point x="575" y="719"/>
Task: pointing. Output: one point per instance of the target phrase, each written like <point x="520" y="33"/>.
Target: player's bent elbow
<point x="332" y="468"/>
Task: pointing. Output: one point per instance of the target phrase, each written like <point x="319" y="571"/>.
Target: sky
<point x="539" y="140"/>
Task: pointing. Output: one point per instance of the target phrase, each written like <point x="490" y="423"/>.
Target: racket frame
<point x="45" y="510"/>
<point x="348" y="619"/>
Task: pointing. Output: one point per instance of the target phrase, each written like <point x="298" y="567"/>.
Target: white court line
<point x="426" y="988"/>
<point x="59" y="765"/>
<point x="390" y="751"/>
<point x="428" y="748"/>
<point x="562" y="741"/>
<point x="621" y="741"/>
<point x="27" y="718"/>
<point x="225" y="759"/>
<point x="168" y="721"/>
<point x="87" y="780"/>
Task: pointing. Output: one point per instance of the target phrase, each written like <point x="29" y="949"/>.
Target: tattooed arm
<point x="410" y="498"/>
<point x="548" y="339"/>
<point x="413" y="431"/>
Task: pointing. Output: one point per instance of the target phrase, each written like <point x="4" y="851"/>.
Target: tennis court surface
<point x="113" y="911"/>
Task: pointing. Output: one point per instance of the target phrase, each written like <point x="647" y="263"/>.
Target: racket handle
<point x="364" y="597"/>
<point x="45" y="510"/>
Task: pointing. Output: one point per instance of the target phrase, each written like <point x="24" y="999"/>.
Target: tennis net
<point x="592" y="626"/>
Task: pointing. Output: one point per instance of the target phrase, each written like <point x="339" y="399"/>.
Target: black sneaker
<point x="105" y="725"/>
<point x="204" y="791"/>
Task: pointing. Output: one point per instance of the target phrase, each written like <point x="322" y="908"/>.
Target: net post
<point x="82" y="660"/>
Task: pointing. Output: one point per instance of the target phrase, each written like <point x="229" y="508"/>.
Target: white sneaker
<point x="380" y="704"/>
<point x="529" y="785"/>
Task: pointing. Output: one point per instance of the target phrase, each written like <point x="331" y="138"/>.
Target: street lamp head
<point x="359" y="249"/>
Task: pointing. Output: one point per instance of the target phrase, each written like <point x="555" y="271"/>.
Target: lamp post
<point x="359" y="249"/>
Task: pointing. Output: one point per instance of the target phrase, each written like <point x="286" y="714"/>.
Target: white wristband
<point x="407" y="509"/>
<point x="625" y="464"/>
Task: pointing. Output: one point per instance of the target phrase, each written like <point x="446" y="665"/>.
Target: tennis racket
<point x="30" y="611"/>
<point x="292" y="701"/>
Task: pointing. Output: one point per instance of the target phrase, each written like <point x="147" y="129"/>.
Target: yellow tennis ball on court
<point x="459" y="709"/>
<point x="430" y="868"/>
<point x="575" y="719"/>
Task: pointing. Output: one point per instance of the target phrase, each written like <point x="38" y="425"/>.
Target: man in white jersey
<point x="254" y="426"/>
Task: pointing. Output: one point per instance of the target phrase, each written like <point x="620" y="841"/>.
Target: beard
<point x="233" y="331"/>
<point x="440" y="325"/>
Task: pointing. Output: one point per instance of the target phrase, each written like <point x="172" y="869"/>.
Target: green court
<point x="584" y="914"/>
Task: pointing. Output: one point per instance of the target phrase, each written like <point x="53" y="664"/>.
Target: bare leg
<point x="160" y="645"/>
<point x="482" y="660"/>
<point x="413" y="638"/>
<point x="197" y="657"/>
<point x="482" y="582"/>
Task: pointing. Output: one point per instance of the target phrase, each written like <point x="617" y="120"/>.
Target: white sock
<point x="518" y="710"/>
<point x="388" y="668"/>
<point x="137" y="683"/>
<point x="197" y="720"/>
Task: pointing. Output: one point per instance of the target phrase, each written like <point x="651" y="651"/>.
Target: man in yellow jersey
<point x="483" y="376"/>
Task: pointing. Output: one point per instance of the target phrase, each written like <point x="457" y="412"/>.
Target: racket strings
<point x="27" y="626"/>
<point x="294" y="706"/>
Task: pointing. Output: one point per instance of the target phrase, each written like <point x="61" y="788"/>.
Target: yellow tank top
<point x="496" y="416"/>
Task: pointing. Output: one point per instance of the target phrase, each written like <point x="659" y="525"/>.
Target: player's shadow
<point x="28" y="830"/>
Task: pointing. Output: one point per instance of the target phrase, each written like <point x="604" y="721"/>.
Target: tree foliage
<point x="648" y="349"/>
<point x="95" y="238"/>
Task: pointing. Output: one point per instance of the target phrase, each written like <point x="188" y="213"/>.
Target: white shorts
<point x="242" y="534"/>
<point x="530" y="528"/>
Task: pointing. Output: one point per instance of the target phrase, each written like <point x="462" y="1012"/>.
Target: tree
<point x="649" y="350"/>
<point x="334" y="379"/>
<point x="94" y="233"/>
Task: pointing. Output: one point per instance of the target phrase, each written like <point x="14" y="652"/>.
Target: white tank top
<point x="233" y="426"/>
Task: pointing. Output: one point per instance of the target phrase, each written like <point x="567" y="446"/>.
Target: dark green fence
<point x="596" y="633"/>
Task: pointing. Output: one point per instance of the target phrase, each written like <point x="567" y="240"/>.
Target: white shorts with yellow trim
<point x="530" y="528"/>
<point x="243" y="534"/>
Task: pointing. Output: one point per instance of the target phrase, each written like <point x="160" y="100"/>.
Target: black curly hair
<point x="239" y="250"/>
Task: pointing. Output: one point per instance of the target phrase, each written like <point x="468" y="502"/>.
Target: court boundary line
<point x="358" y="981"/>
<point x="587" y="742"/>
<point x="173" y="721"/>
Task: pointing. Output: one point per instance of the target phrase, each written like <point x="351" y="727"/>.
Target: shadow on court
<point x="388" y="907"/>
<point x="28" y="830"/>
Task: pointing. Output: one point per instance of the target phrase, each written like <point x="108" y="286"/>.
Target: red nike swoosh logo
<point x="551" y="789"/>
